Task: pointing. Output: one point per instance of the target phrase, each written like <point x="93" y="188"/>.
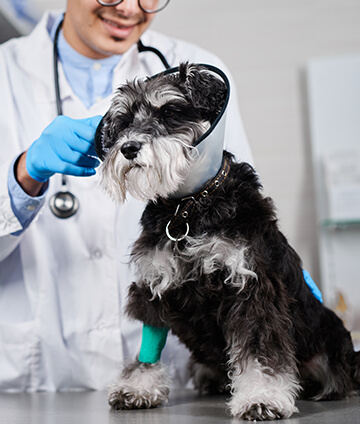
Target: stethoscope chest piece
<point x="63" y="204"/>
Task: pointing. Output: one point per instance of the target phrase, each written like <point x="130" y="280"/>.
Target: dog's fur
<point x="233" y="290"/>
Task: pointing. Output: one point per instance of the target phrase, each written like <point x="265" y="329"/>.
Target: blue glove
<point x="312" y="286"/>
<point x="66" y="146"/>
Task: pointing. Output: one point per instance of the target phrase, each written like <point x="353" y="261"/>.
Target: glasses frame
<point x="116" y="2"/>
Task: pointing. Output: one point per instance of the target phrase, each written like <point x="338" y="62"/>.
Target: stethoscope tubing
<point x="64" y="204"/>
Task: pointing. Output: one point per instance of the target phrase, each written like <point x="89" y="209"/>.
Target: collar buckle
<point x="182" y="215"/>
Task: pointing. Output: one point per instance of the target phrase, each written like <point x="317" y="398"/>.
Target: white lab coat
<point x="63" y="283"/>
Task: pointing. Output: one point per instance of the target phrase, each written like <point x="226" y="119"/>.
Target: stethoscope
<point x="65" y="204"/>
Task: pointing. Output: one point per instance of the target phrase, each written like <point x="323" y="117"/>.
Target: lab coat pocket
<point x="17" y="350"/>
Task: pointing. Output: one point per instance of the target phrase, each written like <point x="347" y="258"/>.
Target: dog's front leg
<point x="259" y="394"/>
<point x="145" y="382"/>
<point x="262" y="368"/>
<point x="141" y="385"/>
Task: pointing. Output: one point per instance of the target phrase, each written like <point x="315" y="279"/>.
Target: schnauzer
<point x="213" y="267"/>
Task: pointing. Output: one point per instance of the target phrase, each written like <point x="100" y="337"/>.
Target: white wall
<point x="266" y="44"/>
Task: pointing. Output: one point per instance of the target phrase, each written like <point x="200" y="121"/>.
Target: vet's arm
<point x="152" y="343"/>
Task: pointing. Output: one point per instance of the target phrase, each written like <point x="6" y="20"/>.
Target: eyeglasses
<point x="147" y="6"/>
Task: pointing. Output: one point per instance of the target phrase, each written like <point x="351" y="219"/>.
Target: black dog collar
<point x="184" y="210"/>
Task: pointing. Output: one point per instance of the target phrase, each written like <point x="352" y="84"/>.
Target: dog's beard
<point x="158" y="170"/>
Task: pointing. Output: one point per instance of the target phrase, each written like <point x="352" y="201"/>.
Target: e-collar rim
<point x="212" y="68"/>
<point x="227" y="83"/>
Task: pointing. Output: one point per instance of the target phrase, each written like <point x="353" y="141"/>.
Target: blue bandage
<point x="312" y="286"/>
<point x="152" y="343"/>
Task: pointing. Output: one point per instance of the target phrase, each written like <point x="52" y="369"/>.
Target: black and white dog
<point x="213" y="267"/>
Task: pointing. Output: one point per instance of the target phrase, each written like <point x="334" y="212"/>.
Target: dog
<point x="214" y="267"/>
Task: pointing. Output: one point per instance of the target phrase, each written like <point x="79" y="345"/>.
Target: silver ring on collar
<point x="178" y="238"/>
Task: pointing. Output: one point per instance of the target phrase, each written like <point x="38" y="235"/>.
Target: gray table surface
<point x="185" y="406"/>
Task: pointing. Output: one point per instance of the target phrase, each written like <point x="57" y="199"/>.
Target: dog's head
<point x="146" y="139"/>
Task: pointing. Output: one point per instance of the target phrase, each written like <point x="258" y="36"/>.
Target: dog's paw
<point x="259" y="394"/>
<point x="260" y="412"/>
<point x="123" y="398"/>
<point x="140" y="386"/>
<point x="262" y="403"/>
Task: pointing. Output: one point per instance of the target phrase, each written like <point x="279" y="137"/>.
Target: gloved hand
<point x="66" y="146"/>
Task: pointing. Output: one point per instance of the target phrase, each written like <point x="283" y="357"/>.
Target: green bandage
<point x="152" y="343"/>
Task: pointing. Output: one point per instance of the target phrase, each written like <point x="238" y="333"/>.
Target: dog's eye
<point x="168" y="112"/>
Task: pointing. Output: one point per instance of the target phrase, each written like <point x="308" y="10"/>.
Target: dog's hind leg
<point x="334" y="373"/>
<point x="320" y="381"/>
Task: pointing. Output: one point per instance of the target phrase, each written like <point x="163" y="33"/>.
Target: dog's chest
<point x="203" y="260"/>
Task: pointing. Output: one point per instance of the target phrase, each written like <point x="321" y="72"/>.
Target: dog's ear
<point x="206" y="91"/>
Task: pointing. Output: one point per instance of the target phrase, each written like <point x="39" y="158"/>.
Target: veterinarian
<point x="63" y="282"/>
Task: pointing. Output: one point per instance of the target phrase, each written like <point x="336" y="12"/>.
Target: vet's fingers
<point x="93" y="121"/>
<point x="83" y="139"/>
<point x="81" y="145"/>
<point x="85" y="128"/>
<point x="77" y="171"/>
<point x="89" y="138"/>
<point x="79" y="133"/>
<point x="67" y="155"/>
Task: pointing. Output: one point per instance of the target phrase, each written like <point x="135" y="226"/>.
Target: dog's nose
<point x="130" y="149"/>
